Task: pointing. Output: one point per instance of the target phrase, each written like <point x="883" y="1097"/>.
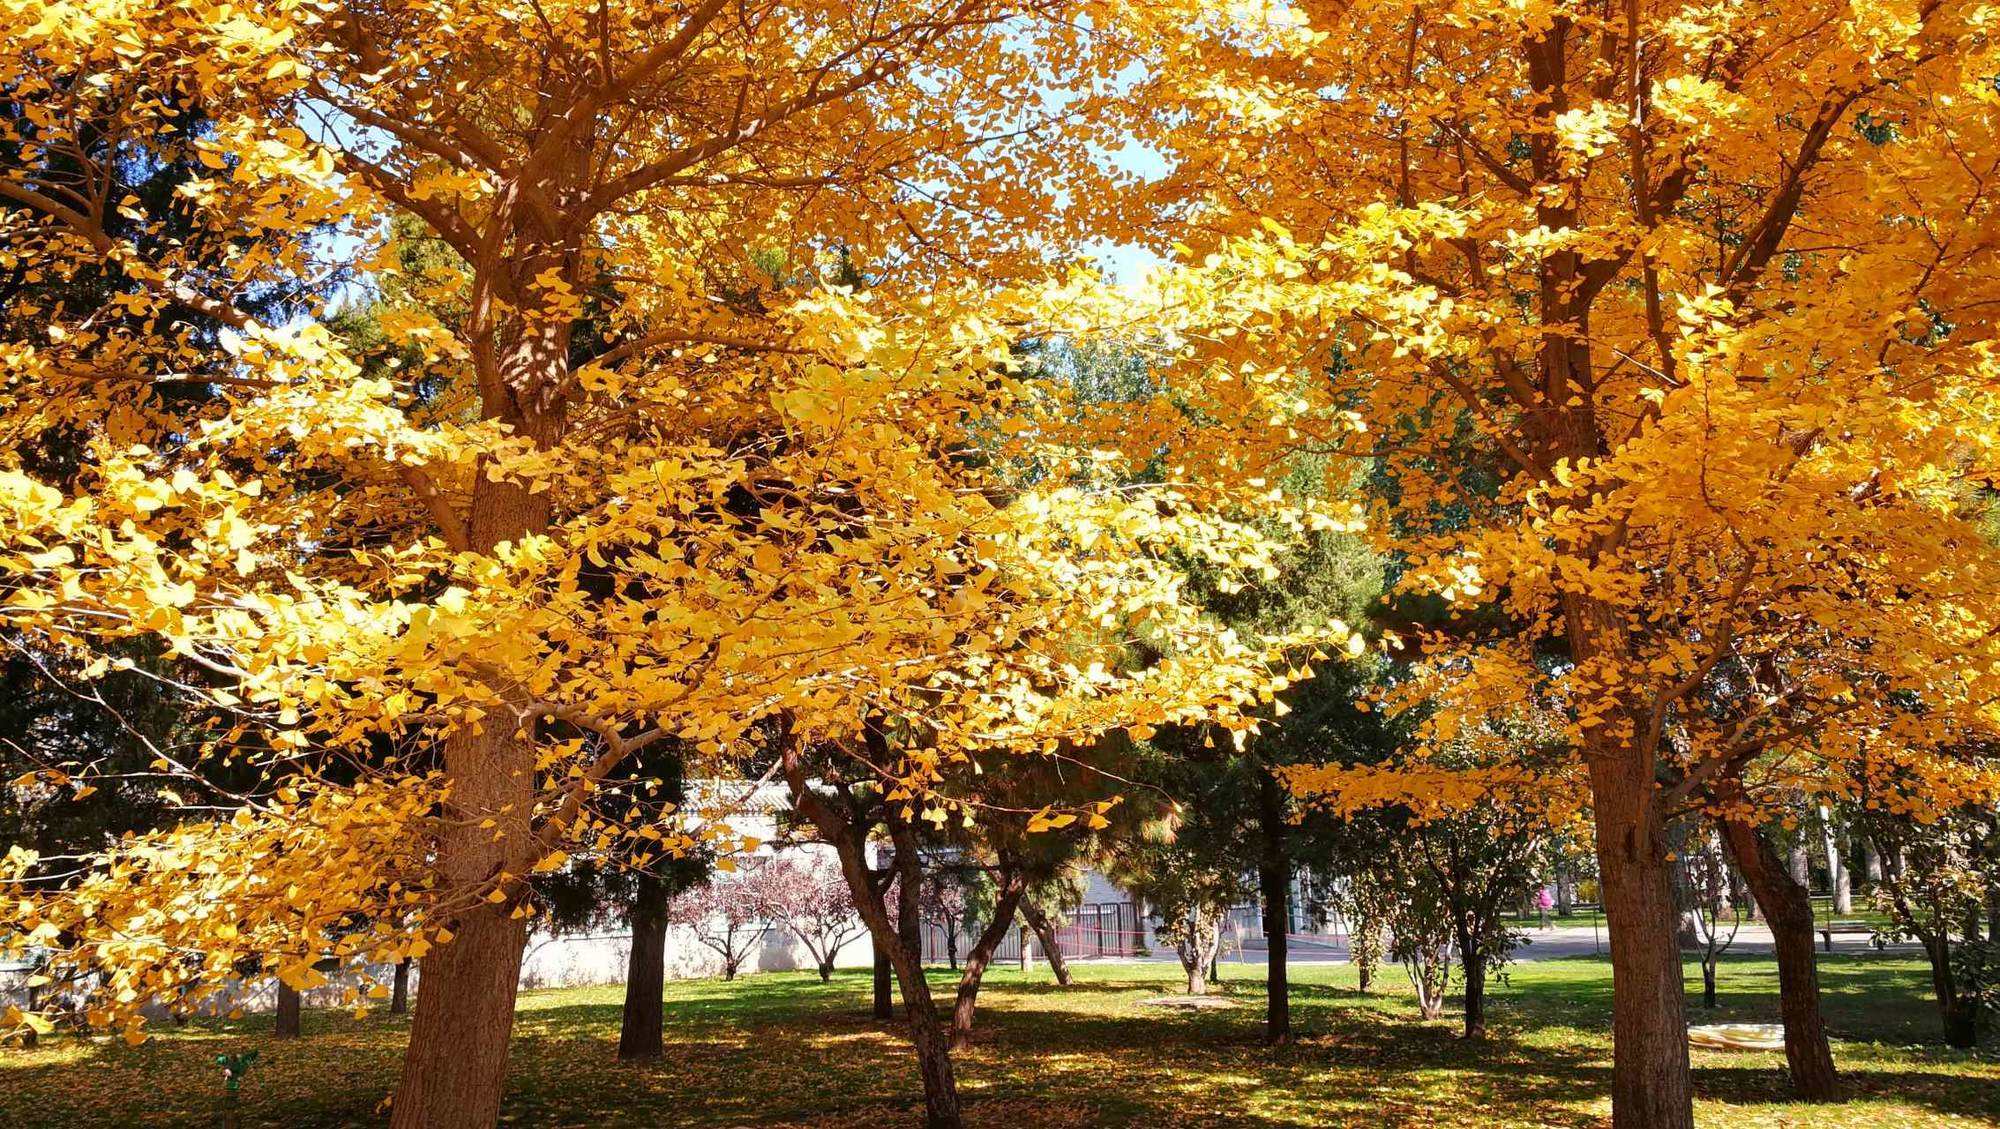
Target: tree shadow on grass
<point x="786" y="1050"/>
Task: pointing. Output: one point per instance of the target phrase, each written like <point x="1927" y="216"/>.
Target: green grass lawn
<point x="783" y="1049"/>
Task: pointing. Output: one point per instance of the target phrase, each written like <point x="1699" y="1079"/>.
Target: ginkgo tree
<point x="1669" y="327"/>
<point x="707" y="412"/>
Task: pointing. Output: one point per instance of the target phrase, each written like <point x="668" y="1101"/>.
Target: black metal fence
<point x="1095" y="929"/>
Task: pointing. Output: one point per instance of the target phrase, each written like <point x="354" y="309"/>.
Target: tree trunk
<point x="1197" y="979"/>
<point x="1800" y="861"/>
<point x="1961" y="1023"/>
<point x="399" y="995"/>
<point x="641" y="1031"/>
<point x="1361" y="951"/>
<point x="1651" y="1086"/>
<point x="1274" y="879"/>
<point x="1871" y="862"/>
<point x="1195" y="957"/>
<point x="1475" y="993"/>
<point x="1427" y="979"/>
<point x="1843" y="892"/>
<point x="1045" y="932"/>
<point x="288" y="1011"/>
<point x="933" y="1047"/>
<point x="30" y="1038"/>
<point x="885" y="1003"/>
<point x="901" y="940"/>
<point x="1960" y="1015"/>
<point x="1788" y="912"/>
<point x="1011" y="887"/>
<point x="455" y="1068"/>
<point x="1708" y="981"/>
<point x="906" y="956"/>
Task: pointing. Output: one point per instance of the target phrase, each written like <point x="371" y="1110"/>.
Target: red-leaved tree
<point x="810" y="896"/>
<point x="729" y="914"/>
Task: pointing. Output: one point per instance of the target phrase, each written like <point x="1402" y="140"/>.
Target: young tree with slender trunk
<point x="730" y="914"/>
<point x="967" y="810"/>
<point x="843" y="814"/>
<point x="1015" y="853"/>
<point x="1359" y="903"/>
<point x="1044" y="923"/>
<point x="1274" y="887"/>
<point x="1936" y="891"/>
<point x="1191" y="884"/>
<point x="809" y="895"/>
<point x="944" y="905"/>
<point x="1716" y="916"/>
<point x="1786" y="908"/>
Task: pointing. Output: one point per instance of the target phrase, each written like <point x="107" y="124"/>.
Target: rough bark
<point x="399" y="994"/>
<point x="1274" y="878"/>
<point x="1011" y="886"/>
<point x="1045" y="932"/>
<point x="1788" y="912"/>
<point x="455" y="1068"/>
<point x="1651" y="1085"/>
<point x="641" y="1035"/>
<point x="288" y="1017"/>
